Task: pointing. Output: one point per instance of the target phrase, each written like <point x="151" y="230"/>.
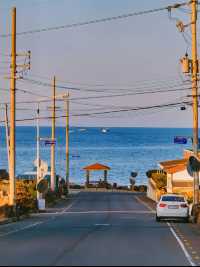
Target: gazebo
<point x="96" y="167"/>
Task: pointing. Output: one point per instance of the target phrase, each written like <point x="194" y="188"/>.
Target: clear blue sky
<point x="117" y="54"/>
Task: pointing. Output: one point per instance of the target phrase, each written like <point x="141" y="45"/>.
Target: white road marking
<point x="21" y="229"/>
<point x="145" y="204"/>
<point x="96" y="212"/>
<point x="187" y="255"/>
<point x="69" y="207"/>
<point x="102" y="224"/>
<point x="38" y="223"/>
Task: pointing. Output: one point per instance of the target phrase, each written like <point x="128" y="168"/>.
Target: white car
<point x="172" y="207"/>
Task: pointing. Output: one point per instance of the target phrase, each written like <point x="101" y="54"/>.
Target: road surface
<point x="95" y="229"/>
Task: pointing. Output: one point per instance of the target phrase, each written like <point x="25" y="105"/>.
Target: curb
<point x="6" y="221"/>
<point x="14" y="219"/>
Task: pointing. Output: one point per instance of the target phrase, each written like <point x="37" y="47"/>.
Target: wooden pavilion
<point x="96" y="167"/>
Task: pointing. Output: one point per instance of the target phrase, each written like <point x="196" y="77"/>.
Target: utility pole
<point x="53" y="137"/>
<point x="38" y="149"/>
<point x="67" y="141"/>
<point x="12" y="195"/>
<point x="7" y="136"/>
<point x="195" y="94"/>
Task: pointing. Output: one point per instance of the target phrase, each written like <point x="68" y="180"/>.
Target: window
<point x="173" y="199"/>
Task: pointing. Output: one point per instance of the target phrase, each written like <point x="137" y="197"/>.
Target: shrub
<point x="136" y="188"/>
<point x="51" y="197"/>
<point x="160" y="179"/>
<point x="142" y="188"/>
<point x="126" y="188"/>
<point x="76" y="186"/>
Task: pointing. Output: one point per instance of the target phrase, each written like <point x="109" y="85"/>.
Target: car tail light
<point x="162" y="205"/>
<point x="184" y="206"/>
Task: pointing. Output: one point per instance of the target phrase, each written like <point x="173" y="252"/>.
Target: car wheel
<point x="186" y="220"/>
<point x="158" y="219"/>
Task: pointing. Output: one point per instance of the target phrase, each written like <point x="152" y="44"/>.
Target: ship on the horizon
<point x="104" y="130"/>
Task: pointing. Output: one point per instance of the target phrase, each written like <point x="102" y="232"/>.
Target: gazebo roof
<point x="97" y="167"/>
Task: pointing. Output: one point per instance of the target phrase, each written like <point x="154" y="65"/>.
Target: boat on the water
<point x="104" y="130"/>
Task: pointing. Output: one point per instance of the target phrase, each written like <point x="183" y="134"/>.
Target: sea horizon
<point x="123" y="149"/>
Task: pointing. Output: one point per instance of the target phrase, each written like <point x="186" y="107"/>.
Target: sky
<point x="114" y="58"/>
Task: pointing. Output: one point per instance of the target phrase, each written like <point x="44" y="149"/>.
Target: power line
<point x="23" y="91"/>
<point x="108" y="112"/>
<point x="44" y="84"/>
<point x="95" y="21"/>
<point x="103" y="83"/>
<point x="105" y="87"/>
<point x="131" y="94"/>
<point x="97" y="97"/>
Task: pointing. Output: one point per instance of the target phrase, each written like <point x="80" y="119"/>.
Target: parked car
<point x="172" y="207"/>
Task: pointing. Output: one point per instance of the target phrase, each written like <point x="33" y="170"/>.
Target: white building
<point x="178" y="178"/>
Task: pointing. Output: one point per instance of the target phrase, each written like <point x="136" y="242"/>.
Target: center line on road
<point x="102" y="224"/>
<point x="187" y="255"/>
<point x="95" y="212"/>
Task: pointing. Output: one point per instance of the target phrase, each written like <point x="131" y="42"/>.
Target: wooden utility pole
<point x="67" y="140"/>
<point x="38" y="149"/>
<point x="12" y="195"/>
<point x="194" y="4"/>
<point x="53" y="137"/>
<point x="7" y="136"/>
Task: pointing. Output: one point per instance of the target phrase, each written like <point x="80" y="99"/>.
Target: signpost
<point x="42" y="186"/>
<point x="50" y="142"/>
<point x="180" y="140"/>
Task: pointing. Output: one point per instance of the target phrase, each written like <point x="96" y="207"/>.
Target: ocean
<point x="124" y="150"/>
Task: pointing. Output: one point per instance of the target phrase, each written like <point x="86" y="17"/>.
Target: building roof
<point x="97" y="167"/>
<point x="173" y="166"/>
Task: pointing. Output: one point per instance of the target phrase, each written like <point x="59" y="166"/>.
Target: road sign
<point x="134" y="174"/>
<point x="180" y="140"/>
<point x="50" y="142"/>
<point x="42" y="186"/>
<point x="194" y="164"/>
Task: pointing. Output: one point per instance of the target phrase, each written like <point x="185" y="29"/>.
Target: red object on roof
<point x="97" y="167"/>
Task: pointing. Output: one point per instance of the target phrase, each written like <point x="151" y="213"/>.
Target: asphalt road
<point x="95" y="229"/>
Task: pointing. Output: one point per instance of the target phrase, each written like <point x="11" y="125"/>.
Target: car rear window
<point x="173" y="199"/>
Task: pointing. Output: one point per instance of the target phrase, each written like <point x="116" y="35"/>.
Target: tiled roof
<point x="97" y="167"/>
<point x="174" y="166"/>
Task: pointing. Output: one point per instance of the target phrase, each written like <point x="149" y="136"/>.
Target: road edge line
<point x="145" y="204"/>
<point x="186" y="253"/>
<point x="21" y="229"/>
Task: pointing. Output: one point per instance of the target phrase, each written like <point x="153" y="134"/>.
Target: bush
<point x="160" y="179"/>
<point x="103" y="184"/>
<point x="126" y="188"/>
<point x="26" y="197"/>
<point x="76" y="186"/>
<point x="136" y="188"/>
<point x="51" y="197"/>
<point x="142" y="188"/>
